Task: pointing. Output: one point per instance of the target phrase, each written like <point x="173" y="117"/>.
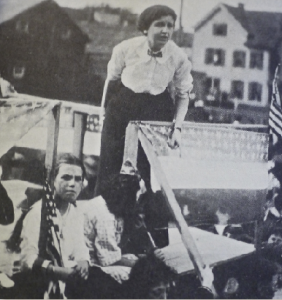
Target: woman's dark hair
<point x="119" y="192"/>
<point x="69" y="159"/>
<point x="152" y="13"/>
<point x="147" y="273"/>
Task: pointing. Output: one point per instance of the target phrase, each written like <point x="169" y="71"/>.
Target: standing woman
<point x="144" y="67"/>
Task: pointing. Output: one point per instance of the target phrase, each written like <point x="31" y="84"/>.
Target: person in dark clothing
<point x="7" y="217"/>
<point x="145" y="67"/>
<point x="7" y="214"/>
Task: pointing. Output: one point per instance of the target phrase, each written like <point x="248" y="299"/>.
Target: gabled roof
<point x="264" y="28"/>
<point x="11" y="8"/>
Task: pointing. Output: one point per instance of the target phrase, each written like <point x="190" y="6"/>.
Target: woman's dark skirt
<point x="128" y="106"/>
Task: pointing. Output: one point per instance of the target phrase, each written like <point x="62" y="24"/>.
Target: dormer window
<point x="22" y="26"/>
<point x="220" y="29"/>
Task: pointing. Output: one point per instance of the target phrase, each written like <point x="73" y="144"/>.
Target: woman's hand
<point x="82" y="269"/>
<point x="159" y="254"/>
<point x="175" y="139"/>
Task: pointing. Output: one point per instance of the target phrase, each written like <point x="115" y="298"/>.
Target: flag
<point x="275" y="139"/>
<point x="275" y="112"/>
<point x="49" y="241"/>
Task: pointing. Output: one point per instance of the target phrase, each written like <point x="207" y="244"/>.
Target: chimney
<point x="241" y="6"/>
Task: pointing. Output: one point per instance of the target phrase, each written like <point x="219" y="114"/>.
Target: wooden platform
<point x="205" y="185"/>
<point x="214" y="249"/>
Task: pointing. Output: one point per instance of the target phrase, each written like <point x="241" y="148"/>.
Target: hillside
<point x="103" y="38"/>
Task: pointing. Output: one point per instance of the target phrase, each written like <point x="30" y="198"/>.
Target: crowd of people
<point x="102" y="248"/>
<point x="87" y="251"/>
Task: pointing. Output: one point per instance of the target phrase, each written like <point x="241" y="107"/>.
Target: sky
<point x="193" y="10"/>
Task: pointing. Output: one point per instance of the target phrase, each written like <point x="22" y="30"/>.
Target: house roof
<point x="264" y="28"/>
<point x="11" y="8"/>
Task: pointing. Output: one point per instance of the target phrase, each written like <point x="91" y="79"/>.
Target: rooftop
<point x="264" y="28"/>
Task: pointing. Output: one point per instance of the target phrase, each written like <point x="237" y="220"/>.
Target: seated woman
<point x="109" y="220"/>
<point x="53" y="250"/>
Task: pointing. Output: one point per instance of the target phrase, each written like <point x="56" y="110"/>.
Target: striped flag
<point x="49" y="241"/>
<point x="275" y="138"/>
<point x="275" y="112"/>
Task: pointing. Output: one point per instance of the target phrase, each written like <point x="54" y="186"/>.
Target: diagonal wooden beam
<point x="204" y="272"/>
<point x="131" y="143"/>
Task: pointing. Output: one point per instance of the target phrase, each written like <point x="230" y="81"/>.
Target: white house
<point x="236" y="52"/>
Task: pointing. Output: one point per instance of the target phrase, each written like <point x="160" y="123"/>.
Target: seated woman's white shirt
<point x="72" y="242"/>
<point x="102" y="233"/>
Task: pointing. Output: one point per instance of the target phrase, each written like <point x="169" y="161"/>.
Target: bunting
<point x="275" y="112"/>
<point x="49" y="243"/>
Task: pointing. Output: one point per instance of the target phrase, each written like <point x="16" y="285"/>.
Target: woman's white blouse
<point x="143" y="73"/>
<point x="73" y="247"/>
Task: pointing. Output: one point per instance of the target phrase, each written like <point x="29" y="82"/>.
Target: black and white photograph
<point x="140" y="149"/>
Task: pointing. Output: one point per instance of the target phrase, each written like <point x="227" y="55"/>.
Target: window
<point x="22" y="26"/>
<point x="239" y="59"/>
<point x="18" y="72"/>
<point x="256" y="60"/>
<point x="237" y="89"/>
<point x="220" y="29"/>
<point x="209" y="56"/>
<point x="215" y="57"/>
<point x="255" y="91"/>
<point x="212" y="85"/>
<point x="66" y="34"/>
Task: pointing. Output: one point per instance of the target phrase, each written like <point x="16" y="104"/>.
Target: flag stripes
<point x="275" y="112"/>
<point x="50" y="248"/>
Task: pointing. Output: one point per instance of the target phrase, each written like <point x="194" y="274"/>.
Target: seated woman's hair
<point x="147" y="273"/>
<point x="119" y="192"/>
<point x="70" y="159"/>
<point x="152" y="13"/>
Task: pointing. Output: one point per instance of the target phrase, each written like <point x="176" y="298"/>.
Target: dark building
<point x="42" y="50"/>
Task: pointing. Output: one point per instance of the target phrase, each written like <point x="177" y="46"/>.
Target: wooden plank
<point x="52" y="142"/>
<point x="78" y="134"/>
<point x="12" y="132"/>
<point x="20" y="111"/>
<point x="187" y="124"/>
<point x="203" y="270"/>
<point x="131" y="143"/>
<point x="208" y="244"/>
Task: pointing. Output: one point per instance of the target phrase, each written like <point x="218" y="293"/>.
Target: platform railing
<point x="21" y="113"/>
